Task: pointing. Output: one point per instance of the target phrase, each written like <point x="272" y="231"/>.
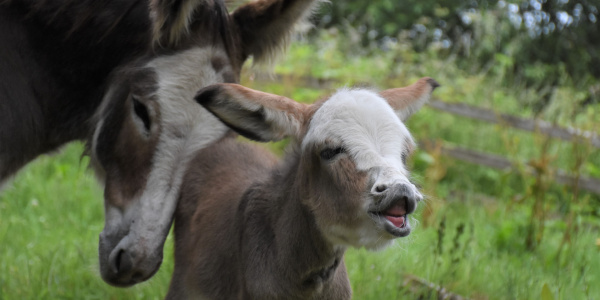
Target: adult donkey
<point x="122" y="75"/>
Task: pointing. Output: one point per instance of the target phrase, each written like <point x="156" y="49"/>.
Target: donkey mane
<point x="75" y="16"/>
<point x="99" y="20"/>
<point x="172" y="24"/>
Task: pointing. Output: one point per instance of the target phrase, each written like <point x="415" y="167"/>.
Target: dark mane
<point x="99" y="21"/>
<point x="213" y="20"/>
<point x="79" y="16"/>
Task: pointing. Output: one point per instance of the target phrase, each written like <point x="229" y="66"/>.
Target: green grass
<point x="50" y="219"/>
<point x="52" y="213"/>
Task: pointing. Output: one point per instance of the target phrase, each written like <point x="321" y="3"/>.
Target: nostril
<point x="118" y="260"/>
<point x="411" y="204"/>
<point x="381" y="188"/>
<point x="123" y="262"/>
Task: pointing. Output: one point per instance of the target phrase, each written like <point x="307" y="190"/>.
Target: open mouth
<point x="393" y="219"/>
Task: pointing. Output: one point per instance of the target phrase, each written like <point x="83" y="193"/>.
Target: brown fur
<point x="60" y="58"/>
<point x="55" y="57"/>
<point x="121" y="149"/>
<point x="262" y="37"/>
<point x="249" y="228"/>
<point x="231" y="201"/>
<point x="401" y="98"/>
<point x="127" y="155"/>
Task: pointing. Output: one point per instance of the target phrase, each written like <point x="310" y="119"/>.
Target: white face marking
<point x="366" y="126"/>
<point x="186" y="127"/>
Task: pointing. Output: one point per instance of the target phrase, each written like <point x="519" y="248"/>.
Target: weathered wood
<point x="498" y="162"/>
<point x="426" y="289"/>
<point x="546" y="128"/>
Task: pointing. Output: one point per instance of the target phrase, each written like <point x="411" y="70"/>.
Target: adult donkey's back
<point x="121" y="74"/>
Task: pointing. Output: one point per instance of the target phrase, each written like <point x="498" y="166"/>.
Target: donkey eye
<point x="141" y="112"/>
<point x="330" y="153"/>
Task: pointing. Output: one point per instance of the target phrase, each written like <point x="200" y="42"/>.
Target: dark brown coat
<point x="242" y="233"/>
<point x="249" y="227"/>
<point x="122" y="74"/>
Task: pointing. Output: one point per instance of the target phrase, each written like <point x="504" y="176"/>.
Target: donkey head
<point x="148" y="126"/>
<point x="352" y="149"/>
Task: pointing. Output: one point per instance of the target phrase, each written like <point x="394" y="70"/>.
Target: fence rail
<point x="493" y="161"/>
<point x="498" y="162"/>
<point x="546" y="128"/>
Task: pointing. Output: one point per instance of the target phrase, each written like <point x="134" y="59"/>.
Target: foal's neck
<point x="298" y="246"/>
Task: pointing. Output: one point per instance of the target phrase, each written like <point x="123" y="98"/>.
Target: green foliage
<point x="540" y="44"/>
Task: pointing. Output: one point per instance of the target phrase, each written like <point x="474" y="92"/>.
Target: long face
<point x="147" y="132"/>
<point x="148" y="126"/>
<point x="356" y="149"/>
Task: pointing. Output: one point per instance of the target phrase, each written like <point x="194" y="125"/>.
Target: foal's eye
<point x="330" y="153"/>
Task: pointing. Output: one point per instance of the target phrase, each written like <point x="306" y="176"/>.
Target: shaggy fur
<point x="249" y="227"/>
<point x="122" y="74"/>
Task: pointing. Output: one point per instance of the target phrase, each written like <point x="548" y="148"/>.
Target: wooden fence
<point x="543" y="127"/>
<point x="499" y="162"/>
<point x="493" y="161"/>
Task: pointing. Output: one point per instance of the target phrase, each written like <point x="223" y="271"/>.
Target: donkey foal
<point x="249" y="227"/>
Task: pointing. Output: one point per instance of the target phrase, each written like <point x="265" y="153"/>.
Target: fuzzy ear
<point x="172" y="19"/>
<point x="266" y="25"/>
<point x="256" y="115"/>
<point x="407" y="100"/>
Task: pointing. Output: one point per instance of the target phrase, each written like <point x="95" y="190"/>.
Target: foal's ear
<point x="256" y="115"/>
<point x="266" y="25"/>
<point x="407" y="100"/>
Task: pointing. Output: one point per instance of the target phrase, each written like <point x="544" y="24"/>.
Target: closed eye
<point x="330" y="153"/>
<point x="141" y="112"/>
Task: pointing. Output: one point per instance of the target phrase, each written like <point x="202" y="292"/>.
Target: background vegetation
<point x="482" y="233"/>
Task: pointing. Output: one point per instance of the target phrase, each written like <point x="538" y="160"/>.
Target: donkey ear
<point x="407" y="100"/>
<point x="266" y="25"/>
<point x="256" y="115"/>
<point x="171" y="19"/>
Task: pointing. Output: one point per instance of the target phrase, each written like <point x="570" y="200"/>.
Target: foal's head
<point x="352" y="154"/>
<point x="148" y="126"/>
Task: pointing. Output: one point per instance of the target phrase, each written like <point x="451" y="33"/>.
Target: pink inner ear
<point x="278" y="116"/>
<point x="407" y="100"/>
